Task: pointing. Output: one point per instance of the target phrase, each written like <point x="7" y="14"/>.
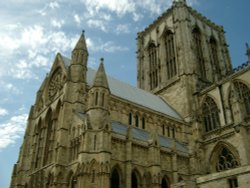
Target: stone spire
<point x="181" y="1"/>
<point x="81" y="44"/>
<point x="248" y="52"/>
<point x="100" y="77"/>
<point x="80" y="52"/>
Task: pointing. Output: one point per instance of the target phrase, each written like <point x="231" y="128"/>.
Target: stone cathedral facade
<point x="186" y="125"/>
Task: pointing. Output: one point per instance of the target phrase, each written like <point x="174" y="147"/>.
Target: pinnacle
<point x="81" y="44"/>
<point x="100" y="77"/>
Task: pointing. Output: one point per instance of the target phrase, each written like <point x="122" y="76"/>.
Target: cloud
<point x="122" y="28"/>
<point x="98" y="24"/>
<point x="12" y="130"/>
<point x="3" y="112"/>
<point x="57" y="23"/>
<point x="77" y="19"/>
<point x="9" y="88"/>
<point x="100" y="46"/>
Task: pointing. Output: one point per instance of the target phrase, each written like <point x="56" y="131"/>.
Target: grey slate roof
<point x="142" y="135"/>
<point x="132" y="94"/>
<point x="136" y="95"/>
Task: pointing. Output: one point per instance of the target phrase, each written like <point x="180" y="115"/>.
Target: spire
<point x="248" y="52"/>
<point x="180" y="1"/>
<point x="80" y="52"/>
<point x="100" y="77"/>
<point x="81" y="44"/>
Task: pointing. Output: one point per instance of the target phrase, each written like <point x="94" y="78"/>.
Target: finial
<point x="102" y="60"/>
<point x="83" y="32"/>
<point x="247" y="46"/>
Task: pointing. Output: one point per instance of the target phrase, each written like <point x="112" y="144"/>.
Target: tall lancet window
<point x="153" y="66"/>
<point x="170" y="54"/>
<point x="244" y="95"/>
<point x="199" y="53"/>
<point x="214" y="55"/>
<point x="210" y="113"/>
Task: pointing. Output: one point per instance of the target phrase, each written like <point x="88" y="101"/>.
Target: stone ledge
<point x="223" y="174"/>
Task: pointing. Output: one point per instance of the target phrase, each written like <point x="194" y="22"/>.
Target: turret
<point x="99" y="99"/>
<point x="80" y="52"/>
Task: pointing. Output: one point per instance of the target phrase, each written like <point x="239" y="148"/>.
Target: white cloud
<point x="100" y="46"/>
<point x="3" y="112"/>
<point x="77" y="19"/>
<point x="9" y="88"/>
<point x="12" y="130"/>
<point x="98" y="24"/>
<point x="122" y="28"/>
<point x="57" y="23"/>
<point x="54" y="5"/>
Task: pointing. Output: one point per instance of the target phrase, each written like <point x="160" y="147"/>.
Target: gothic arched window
<point x="214" y="54"/>
<point x="226" y="160"/>
<point x="199" y="52"/>
<point x="164" y="183"/>
<point x="210" y="113"/>
<point x="153" y="66"/>
<point x="244" y="95"/>
<point x="170" y="54"/>
<point x="115" y="179"/>
<point x="130" y="117"/>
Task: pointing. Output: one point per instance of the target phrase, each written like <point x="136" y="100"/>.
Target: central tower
<point x="179" y="54"/>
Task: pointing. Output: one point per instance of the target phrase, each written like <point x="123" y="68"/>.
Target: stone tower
<point x="179" y="54"/>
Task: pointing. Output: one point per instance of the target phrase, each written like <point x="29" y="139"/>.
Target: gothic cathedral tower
<point x="179" y="54"/>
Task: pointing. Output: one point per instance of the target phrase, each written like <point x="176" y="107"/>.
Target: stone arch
<point x="48" y="140"/>
<point x="116" y="177"/>
<point x="165" y="183"/>
<point x="135" y="179"/>
<point x="240" y="93"/>
<point x="220" y="160"/>
<point x="210" y="114"/>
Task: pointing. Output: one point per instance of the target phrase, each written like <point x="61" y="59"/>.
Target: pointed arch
<point x="210" y="114"/>
<point x="243" y="95"/>
<point x="224" y="156"/>
<point x="153" y="65"/>
<point x="48" y="130"/>
<point x="39" y="143"/>
<point x="116" y="177"/>
<point x="135" y="179"/>
<point x="169" y="51"/>
<point x="214" y="55"/>
<point x="165" y="182"/>
<point x="197" y="39"/>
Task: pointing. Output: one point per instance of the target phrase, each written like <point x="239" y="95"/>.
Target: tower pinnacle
<point x="101" y="78"/>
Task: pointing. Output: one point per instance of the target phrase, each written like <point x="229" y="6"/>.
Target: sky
<point x="32" y="32"/>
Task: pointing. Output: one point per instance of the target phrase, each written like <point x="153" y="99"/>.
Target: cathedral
<point x="185" y="125"/>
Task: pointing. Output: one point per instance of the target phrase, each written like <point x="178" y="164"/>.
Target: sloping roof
<point x="132" y="94"/>
<point x="142" y="135"/>
<point x="136" y="95"/>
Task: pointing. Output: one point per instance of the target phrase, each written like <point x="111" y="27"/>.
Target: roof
<point x="131" y="93"/>
<point x="135" y="95"/>
<point x="143" y="135"/>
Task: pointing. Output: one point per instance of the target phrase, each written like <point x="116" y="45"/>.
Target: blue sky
<point x="32" y="32"/>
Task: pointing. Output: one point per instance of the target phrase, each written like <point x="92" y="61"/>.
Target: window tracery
<point x="244" y="95"/>
<point x="56" y="83"/>
<point x="170" y="54"/>
<point x="199" y="52"/>
<point x="153" y="73"/>
<point x="226" y="160"/>
<point x="214" y="55"/>
<point x="210" y="113"/>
